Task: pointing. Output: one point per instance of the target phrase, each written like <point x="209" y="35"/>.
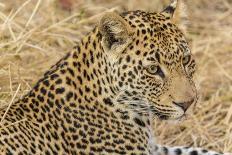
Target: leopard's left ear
<point x="177" y="13"/>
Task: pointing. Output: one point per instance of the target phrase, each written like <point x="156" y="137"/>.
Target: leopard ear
<point x="116" y="33"/>
<point x="177" y="13"/>
<point x="168" y="12"/>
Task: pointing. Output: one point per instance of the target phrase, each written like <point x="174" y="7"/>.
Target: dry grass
<point x="36" y="33"/>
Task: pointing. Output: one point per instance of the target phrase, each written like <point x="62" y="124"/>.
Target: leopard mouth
<point x="168" y="117"/>
<point x="150" y="107"/>
<point x="169" y="114"/>
<point x="163" y="117"/>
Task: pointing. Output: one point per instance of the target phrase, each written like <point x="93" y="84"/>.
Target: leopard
<point x="103" y="96"/>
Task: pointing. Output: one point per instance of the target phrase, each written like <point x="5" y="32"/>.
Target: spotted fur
<point x="102" y="96"/>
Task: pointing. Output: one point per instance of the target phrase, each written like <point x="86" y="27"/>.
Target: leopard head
<point x="151" y="62"/>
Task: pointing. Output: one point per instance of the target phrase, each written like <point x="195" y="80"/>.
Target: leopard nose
<point x="184" y="105"/>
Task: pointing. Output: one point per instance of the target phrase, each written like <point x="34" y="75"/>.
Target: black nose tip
<point x="184" y="105"/>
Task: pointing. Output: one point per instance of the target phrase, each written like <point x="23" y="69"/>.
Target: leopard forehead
<point x="157" y="33"/>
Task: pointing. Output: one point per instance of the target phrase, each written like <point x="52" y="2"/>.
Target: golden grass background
<point x="34" y="34"/>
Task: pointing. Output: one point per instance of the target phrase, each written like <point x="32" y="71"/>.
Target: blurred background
<point x="34" y="34"/>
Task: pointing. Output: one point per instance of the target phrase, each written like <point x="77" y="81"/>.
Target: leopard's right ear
<point x="169" y="11"/>
<point x="177" y="12"/>
<point x="116" y="33"/>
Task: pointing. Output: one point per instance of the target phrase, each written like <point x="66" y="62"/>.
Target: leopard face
<point x="152" y="63"/>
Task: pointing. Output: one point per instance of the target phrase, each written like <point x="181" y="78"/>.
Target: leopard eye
<point x="152" y="69"/>
<point x="186" y="59"/>
<point x="155" y="70"/>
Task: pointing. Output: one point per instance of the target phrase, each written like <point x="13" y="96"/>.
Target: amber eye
<point x="155" y="70"/>
<point x="152" y="69"/>
<point x="186" y="59"/>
